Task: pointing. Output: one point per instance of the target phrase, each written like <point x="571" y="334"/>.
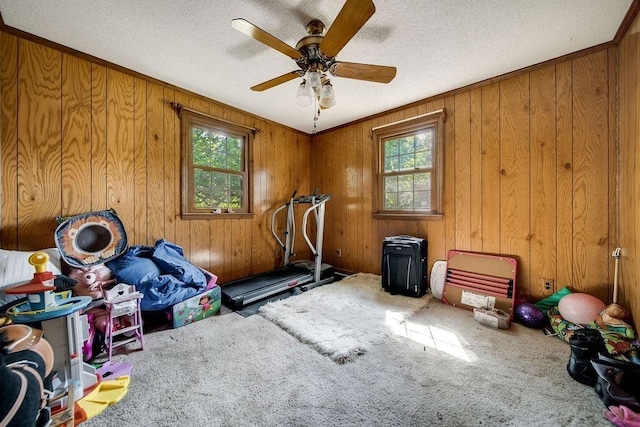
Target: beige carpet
<point x="346" y="320"/>
<point x="439" y="368"/>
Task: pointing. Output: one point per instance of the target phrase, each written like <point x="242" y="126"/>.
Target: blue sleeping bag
<point x="161" y="273"/>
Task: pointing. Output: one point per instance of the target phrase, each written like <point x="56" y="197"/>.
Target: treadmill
<point x="304" y="274"/>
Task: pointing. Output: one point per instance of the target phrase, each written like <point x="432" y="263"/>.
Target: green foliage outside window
<point x="408" y="161"/>
<point x="217" y="163"/>
<point x="215" y="167"/>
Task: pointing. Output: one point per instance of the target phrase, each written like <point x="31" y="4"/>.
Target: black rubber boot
<point x="586" y="344"/>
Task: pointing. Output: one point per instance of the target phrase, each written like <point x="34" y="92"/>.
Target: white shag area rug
<point x="344" y="319"/>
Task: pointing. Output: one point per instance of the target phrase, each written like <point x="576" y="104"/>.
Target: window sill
<point x="406" y="216"/>
<point x="208" y="216"/>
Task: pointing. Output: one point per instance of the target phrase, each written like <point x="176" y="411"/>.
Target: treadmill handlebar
<point x="320" y="198"/>
<point x="273" y="226"/>
<point x="316" y="201"/>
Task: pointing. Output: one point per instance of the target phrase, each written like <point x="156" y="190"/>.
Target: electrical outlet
<point x="339" y="253"/>
<point x="549" y="285"/>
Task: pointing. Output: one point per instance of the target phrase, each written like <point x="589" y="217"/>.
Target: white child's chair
<point x="123" y="300"/>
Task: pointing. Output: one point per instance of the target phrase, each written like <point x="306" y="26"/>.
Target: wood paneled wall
<point x="530" y="171"/>
<point x="629" y="204"/>
<point x="530" y="168"/>
<point x="79" y="136"/>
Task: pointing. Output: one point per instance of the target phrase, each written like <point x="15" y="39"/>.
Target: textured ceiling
<point x="436" y="45"/>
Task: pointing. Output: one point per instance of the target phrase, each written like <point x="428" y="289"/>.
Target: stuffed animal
<point x="91" y="280"/>
<point x="612" y="319"/>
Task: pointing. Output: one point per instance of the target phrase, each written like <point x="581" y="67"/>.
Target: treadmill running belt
<point x="241" y="292"/>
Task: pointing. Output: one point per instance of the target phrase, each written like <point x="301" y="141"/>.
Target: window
<point x="215" y="178"/>
<point x="409" y="167"/>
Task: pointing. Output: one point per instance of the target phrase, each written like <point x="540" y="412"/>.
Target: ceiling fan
<point x="315" y="54"/>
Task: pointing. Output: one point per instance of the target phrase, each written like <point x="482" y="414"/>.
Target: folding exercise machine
<point x="240" y="293"/>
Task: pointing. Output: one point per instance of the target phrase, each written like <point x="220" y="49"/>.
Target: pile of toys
<point x="88" y="312"/>
<point x="604" y="346"/>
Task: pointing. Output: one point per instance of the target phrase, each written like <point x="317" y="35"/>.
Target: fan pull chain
<point x="316" y="116"/>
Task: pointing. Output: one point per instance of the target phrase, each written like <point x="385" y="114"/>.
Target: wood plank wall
<point x="629" y="203"/>
<point x="530" y="168"/>
<point x="79" y="136"/>
<point x="530" y="171"/>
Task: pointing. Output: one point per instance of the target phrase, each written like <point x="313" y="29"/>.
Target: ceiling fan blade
<point x="371" y="73"/>
<point x="276" y="81"/>
<point x="262" y="36"/>
<point x="350" y="19"/>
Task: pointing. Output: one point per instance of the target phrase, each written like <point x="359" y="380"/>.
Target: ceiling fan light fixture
<point x="304" y="97"/>
<point x="327" y="97"/>
<point x="313" y="77"/>
<point x="315" y="55"/>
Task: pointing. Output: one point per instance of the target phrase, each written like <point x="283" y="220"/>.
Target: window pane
<point x="405" y="145"/>
<point x="391" y="148"/>
<point x="422" y="181"/>
<point x="391" y="164"/>
<point x="390" y="184"/>
<point x="234" y="146"/>
<point x="201" y="147"/>
<point x="219" y="199"/>
<point x="220" y="153"/>
<point x="423" y="159"/>
<point x="218" y="142"/>
<point x="405" y="200"/>
<point x="233" y="162"/>
<point x="422" y="199"/>
<point x="391" y="200"/>
<point x="424" y="141"/>
<point x="220" y="181"/>
<point x="203" y="188"/>
<point x="405" y="183"/>
<point x="407" y="161"/>
<point x="235" y="199"/>
<point x="235" y="182"/>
